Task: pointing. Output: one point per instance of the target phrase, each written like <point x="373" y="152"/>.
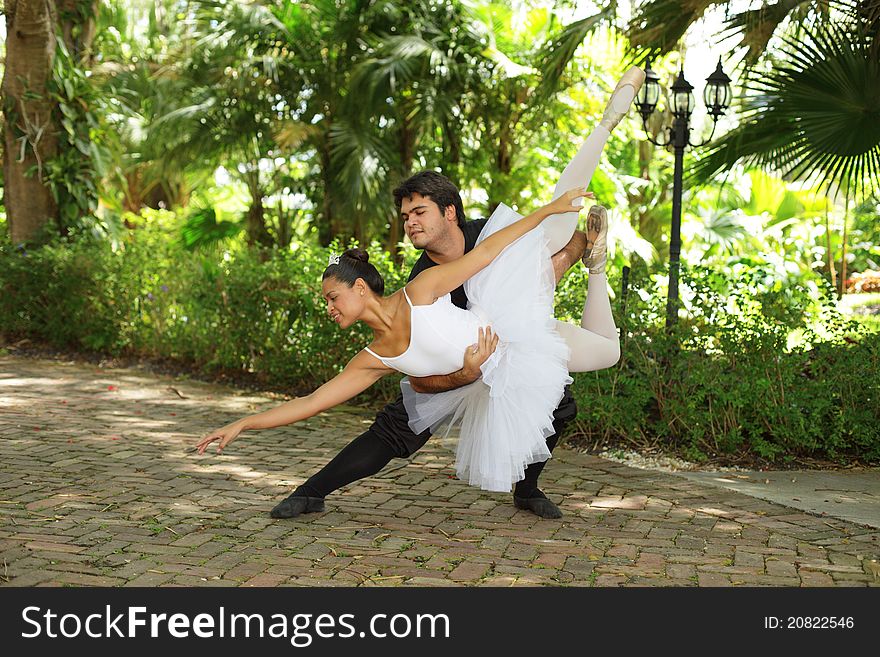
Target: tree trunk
<point x="325" y="225"/>
<point x="360" y="233"/>
<point x="499" y="187"/>
<point x="828" y="253"/>
<point x="30" y="135"/>
<point x="257" y="235"/>
<point x="507" y="145"/>
<point x="394" y="238"/>
<point x="451" y="151"/>
<point x="646" y="153"/>
<point x="843" y="249"/>
<point x="406" y="147"/>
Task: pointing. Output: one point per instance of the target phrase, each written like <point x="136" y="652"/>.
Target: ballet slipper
<point x="292" y="506"/>
<point x="622" y="97"/>
<point x="597" y="255"/>
<point x="538" y="504"/>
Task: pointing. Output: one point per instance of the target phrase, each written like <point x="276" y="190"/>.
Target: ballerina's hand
<point x="225" y="435"/>
<point x="566" y="202"/>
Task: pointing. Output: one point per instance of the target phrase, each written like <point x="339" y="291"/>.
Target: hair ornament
<point x="334" y="259"/>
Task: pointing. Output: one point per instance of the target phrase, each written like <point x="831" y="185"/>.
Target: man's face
<point x="423" y="222"/>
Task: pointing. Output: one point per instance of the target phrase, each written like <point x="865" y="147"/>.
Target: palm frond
<point x="290" y="135"/>
<point x="359" y="157"/>
<point x="757" y="26"/>
<point x="815" y="117"/>
<point x="560" y="51"/>
<point x="658" y="25"/>
<point x="202" y="230"/>
<point x="398" y="61"/>
<point x="721" y="229"/>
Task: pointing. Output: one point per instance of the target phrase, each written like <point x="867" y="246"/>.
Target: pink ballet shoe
<point x="597" y="254"/>
<point x="621" y="100"/>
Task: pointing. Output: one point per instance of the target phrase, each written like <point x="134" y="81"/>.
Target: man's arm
<point x="474" y="356"/>
<point x="569" y="254"/>
<point x="443" y="382"/>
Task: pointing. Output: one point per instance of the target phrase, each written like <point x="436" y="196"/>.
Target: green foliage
<point x="864" y="249"/>
<point x="202" y="229"/>
<point x="84" y="150"/>
<point x="237" y="312"/>
<point x="766" y="365"/>
<point x="814" y="116"/>
<point x="658" y="26"/>
<point x="317" y="109"/>
<point x="742" y="380"/>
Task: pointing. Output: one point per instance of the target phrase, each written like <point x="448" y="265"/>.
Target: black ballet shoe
<point x="537" y="504"/>
<point x="293" y="506"/>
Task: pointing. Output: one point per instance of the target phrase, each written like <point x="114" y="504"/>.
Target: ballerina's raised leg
<point x="594" y="344"/>
<point x="559" y="228"/>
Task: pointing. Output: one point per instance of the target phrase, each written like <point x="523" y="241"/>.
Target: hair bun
<point x="357" y="254"/>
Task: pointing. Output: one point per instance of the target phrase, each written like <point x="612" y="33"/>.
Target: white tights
<point x="594" y="344"/>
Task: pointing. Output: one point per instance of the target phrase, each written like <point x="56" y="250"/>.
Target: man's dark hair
<point x="435" y="186"/>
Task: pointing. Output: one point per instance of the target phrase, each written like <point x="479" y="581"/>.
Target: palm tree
<point x="415" y="86"/>
<point x="348" y="90"/>
<point x="349" y="157"/>
<point x="231" y="98"/>
<point x="526" y="66"/>
<point x="814" y="116"/>
<point x="132" y="69"/>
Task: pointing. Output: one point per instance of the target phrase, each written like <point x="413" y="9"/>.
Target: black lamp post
<point x="717" y="99"/>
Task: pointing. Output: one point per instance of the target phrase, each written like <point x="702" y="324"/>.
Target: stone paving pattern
<point x="100" y="486"/>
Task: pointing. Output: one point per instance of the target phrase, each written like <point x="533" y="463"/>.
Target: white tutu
<point x="504" y="418"/>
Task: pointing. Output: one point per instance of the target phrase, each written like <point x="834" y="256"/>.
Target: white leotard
<point x="439" y="334"/>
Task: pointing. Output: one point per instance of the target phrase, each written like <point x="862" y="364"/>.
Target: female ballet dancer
<point x="505" y="416"/>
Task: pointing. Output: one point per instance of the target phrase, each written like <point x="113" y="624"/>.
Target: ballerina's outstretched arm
<point x="361" y="372"/>
<point x="433" y="283"/>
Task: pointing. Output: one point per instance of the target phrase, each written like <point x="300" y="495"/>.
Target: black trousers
<point x="390" y="436"/>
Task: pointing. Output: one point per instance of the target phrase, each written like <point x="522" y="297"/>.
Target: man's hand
<point x="477" y="354"/>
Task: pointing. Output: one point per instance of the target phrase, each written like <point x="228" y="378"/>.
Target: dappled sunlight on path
<point x="100" y="485"/>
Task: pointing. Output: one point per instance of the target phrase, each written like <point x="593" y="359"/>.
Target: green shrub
<point x="728" y="379"/>
<point x="219" y="311"/>
<point x="756" y="364"/>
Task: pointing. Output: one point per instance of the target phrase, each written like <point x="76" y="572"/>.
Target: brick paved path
<point x="99" y="486"/>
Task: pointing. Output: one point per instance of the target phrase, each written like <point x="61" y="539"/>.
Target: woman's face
<point x="344" y="304"/>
